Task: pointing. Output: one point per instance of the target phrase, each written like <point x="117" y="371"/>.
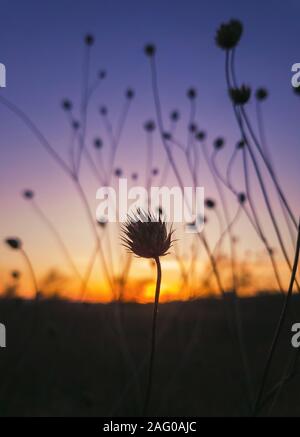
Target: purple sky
<point x="41" y="46"/>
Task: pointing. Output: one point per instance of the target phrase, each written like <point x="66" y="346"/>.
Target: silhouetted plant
<point x="148" y="237"/>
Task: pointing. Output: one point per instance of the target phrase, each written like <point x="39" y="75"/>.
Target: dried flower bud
<point x="149" y="126"/>
<point x="102" y="74"/>
<point x="28" y="194"/>
<point x="14" y="243"/>
<point x="103" y="110"/>
<point x="241" y="95"/>
<point x="229" y="34"/>
<point x="210" y="203"/>
<point x="219" y="143"/>
<point x="67" y="105"/>
<point x="242" y="198"/>
<point x="201" y="135"/>
<point x="174" y="116"/>
<point x="261" y="94"/>
<point x="129" y="94"/>
<point x="240" y="144"/>
<point x="191" y="93"/>
<point x="98" y="143"/>
<point x="150" y="50"/>
<point x="89" y="39"/>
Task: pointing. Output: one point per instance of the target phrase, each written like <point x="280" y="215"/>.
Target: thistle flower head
<point x="261" y="94"/>
<point x="241" y="95"/>
<point x="150" y="50"/>
<point x="14" y="243"/>
<point x="146" y="236"/>
<point x="229" y="34"/>
<point x="28" y="194"/>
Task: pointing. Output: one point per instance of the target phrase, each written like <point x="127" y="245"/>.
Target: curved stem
<point x="57" y="236"/>
<point x="279" y="327"/>
<point x="153" y="337"/>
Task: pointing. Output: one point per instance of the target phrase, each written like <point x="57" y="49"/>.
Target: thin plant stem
<point x="57" y="236"/>
<point x="31" y="270"/>
<point x="257" y="170"/>
<point x="153" y="338"/>
<point x="256" y="142"/>
<point x="278" y="328"/>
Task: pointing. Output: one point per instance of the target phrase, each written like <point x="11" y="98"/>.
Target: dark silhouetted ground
<point x="71" y="359"/>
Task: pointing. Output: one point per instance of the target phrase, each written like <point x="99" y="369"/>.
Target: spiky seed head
<point x="150" y="50"/>
<point x="146" y="235"/>
<point x="229" y="34"/>
<point x="219" y="143"/>
<point x="241" y="95"/>
<point x="261" y="94"/>
<point x="28" y="194"/>
<point x="14" y="243"/>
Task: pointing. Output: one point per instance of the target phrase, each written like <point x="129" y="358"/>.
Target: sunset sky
<point x="42" y="48"/>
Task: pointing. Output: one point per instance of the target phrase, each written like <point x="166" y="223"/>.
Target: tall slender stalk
<point x="153" y="338"/>
<point x="31" y="270"/>
<point x="278" y="328"/>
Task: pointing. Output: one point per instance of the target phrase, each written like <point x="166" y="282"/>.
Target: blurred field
<point x="65" y="359"/>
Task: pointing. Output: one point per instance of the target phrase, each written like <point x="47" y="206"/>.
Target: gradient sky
<point x="41" y="46"/>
